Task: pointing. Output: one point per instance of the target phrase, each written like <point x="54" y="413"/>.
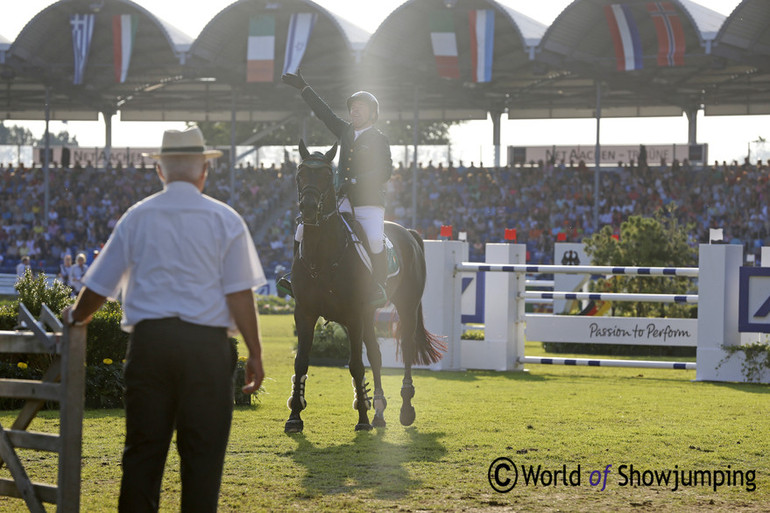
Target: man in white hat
<point x="185" y="267"/>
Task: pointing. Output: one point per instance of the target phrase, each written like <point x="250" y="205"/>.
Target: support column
<point x="597" y="155"/>
<point x="692" y="126"/>
<point x="496" y="121"/>
<point x="416" y="140"/>
<point x="441" y="301"/>
<point x="107" y="137"/>
<point x="233" y="156"/>
<point x="46" y="159"/>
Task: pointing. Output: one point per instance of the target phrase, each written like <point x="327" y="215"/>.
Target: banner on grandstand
<point x="82" y="31"/>
<point x="610" y="155"/>
<point x="625" y="37"/>
<point x="300" y="28"/>
<point x="260" y="50"/>
<point x="123" y="36"/>
<point x="444" y="43"/>
<point x="668" y="26"/>
<point x="482" y="28"/>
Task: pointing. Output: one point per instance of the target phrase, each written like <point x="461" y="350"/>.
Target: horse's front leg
<point x="296" y="403"/>
<point x="375" y="362"/>
<point x="361" y="400"/>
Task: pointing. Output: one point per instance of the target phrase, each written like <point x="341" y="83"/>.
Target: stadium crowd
<point x="544" y="202"/>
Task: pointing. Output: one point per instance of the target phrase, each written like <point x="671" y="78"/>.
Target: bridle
<point x="311" y="190"/>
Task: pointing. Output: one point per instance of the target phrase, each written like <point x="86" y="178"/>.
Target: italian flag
<point x="260" y="52"/>
<point x="482" y="30"/>
<point x="444" y="43"/>
<point x="123" y="36"/>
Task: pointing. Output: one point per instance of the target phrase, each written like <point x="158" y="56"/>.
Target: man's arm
<point x="83" y="310"/>
<point x="244" y="311"/>
<point x="333" y="122"/>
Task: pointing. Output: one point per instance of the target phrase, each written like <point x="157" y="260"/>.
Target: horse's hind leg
<point x="408" y="326"/>
<point x="361" y="401"/>
<point x="375" y="361"/>
<point x="296" y="403"/>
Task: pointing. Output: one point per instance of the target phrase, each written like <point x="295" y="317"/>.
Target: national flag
<point x="260" y="53"/>
<point x="668" y="25"/>
<point x="300" y="28"/>
<point x="625" y="37"/>
<point x="482" y="30"/>
<point x="82" y="31"/>
<point x="444" y="42"/>
<point x="123" y="36"/>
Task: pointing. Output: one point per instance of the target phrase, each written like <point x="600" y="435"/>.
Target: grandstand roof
<point x="537" y="71"/>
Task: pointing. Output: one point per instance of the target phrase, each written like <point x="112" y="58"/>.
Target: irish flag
<point x="123" y="36"/>
<point x="625" y="37"/>
<point x="444" y="43"/>
<point x="482" y="30"/>
<point x="260" y="53"/>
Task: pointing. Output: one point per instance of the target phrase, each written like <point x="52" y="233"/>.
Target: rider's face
<point x="360" y="114"/>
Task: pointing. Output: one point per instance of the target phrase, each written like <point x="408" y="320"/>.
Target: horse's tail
<point x="428" y="348"/>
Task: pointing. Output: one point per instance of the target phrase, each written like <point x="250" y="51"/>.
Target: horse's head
<point x="315" y="184"/>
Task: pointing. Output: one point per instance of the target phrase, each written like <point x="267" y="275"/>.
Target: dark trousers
<point x="178" y="375"/>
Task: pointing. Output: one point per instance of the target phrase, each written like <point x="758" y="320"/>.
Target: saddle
<point x="360" y="241"/>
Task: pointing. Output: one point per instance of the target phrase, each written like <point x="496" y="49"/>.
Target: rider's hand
<point x="293" y="80"/>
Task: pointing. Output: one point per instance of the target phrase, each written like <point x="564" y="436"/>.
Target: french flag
<point x="625" y="37"/>
<point x="482" y="31"/>
<point x="671" y="43"/>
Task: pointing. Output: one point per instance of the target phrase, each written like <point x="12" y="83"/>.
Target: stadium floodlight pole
<point x="416" y="141"/>
<point x="597" y="156"/>
<point x="233" y="156"/>
<point x="46" y="157"/>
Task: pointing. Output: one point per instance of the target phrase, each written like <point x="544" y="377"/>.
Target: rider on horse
<point x="364" y="168"/>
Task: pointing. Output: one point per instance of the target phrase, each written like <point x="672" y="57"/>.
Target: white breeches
<point x="371" y="218"/>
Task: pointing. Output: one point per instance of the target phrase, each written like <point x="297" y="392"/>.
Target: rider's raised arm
<point x="333" y="122"/>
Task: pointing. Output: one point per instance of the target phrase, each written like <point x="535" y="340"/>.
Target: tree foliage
<point x="16" y="135"/>
<point x="658" y="241"/>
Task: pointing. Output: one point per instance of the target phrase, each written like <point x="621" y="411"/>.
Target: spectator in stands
<point x="65" y="269"/>
<point x="23" y="266"/>
<point x="77" y="272"/>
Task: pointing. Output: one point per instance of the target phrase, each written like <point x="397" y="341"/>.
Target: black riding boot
<point x="379" y="274"/>
<point x="284" y="282"/>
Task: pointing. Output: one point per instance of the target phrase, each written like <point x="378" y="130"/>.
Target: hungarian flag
<point x="482" y="29"/>
<point x="82" y="31"/>
<point x="671" y="44"/>
<point x="625" y="37"/>
<point x="260" y="53"/>
<point x="123" y="36"/>
<point x="444" y="43"/>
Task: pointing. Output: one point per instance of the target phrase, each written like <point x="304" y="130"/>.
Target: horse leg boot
<point x="296" y="404"/>
<point x="362" y="403"/>
<point x="407" y="410"/>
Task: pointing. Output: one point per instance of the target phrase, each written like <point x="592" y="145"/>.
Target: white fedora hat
<point x="186" y="142"/>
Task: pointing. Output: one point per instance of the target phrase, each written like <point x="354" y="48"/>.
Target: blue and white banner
<point x="82" y="31"/>
<point x="300" y="28"/>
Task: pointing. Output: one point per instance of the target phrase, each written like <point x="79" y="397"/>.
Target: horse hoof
<point x="407" y="415"/>
<point x="294" y="426"/>
<point x="363" y="427"/>
<point x="378" y="421"/>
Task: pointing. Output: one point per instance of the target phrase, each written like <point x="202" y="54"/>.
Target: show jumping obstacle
<point x="507" y="326"/>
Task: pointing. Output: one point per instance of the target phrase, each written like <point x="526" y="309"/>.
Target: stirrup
<point x="283" y="285"/>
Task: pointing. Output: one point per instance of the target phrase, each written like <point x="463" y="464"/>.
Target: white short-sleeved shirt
<point x="177" y="253"/>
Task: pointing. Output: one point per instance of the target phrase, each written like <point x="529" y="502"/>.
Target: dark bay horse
<point x="330" y="280"/>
